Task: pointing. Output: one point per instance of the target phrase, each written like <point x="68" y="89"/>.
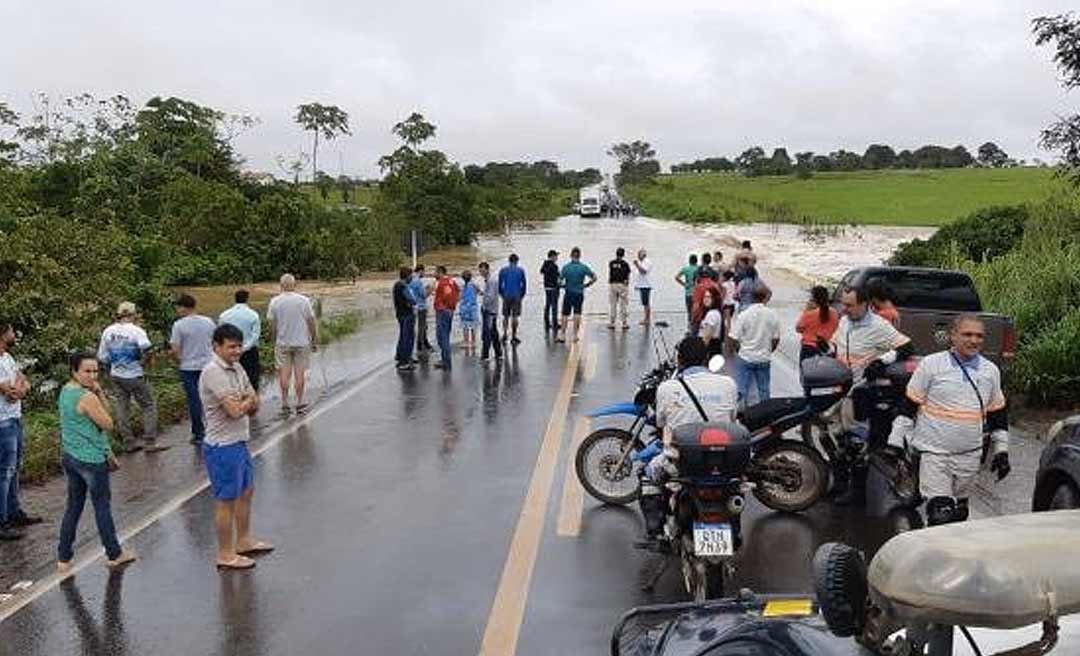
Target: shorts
<point x="230" y="469"/>
<point x="468" y="324"/>
<point x="948" y="474"/>
<point x="292" y="356"/>
<point x="572" y="303"/>
<point x="511" y="307"/>
<point x="645" y="293"/>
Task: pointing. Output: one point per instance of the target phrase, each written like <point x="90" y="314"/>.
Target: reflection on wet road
<point x="432" y="513"/>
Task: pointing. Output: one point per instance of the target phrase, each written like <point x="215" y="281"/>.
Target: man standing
<point x="643" y="283"/>
<point x="230" y="401"/>
<point x="512" y="291"/>
<point x="755" y="334"/>
<point x="550" y="271"/>
<point x="13" y="389"/>
<point x="575" y="277"/>
<point x="446" y="300"/>
<point x="404" y="310"/>
<point x="190" y="344"/>
<point x="123" y="346"/>
<point x="687" y="277"/>
<point x="953" y="398"/>
<point x="618" y="289"/>
<point x="718" y="265"/>
<point x="420" y="291"/>
<point x="489" y="313"/>
<point x="295" y="334"/>
<point x="247" y="320"/>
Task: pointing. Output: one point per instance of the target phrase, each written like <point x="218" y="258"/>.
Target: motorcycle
<point x="788" y="475"/>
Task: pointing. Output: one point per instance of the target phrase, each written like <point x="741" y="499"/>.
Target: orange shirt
<point x="889" y="313"/>
<point x="446" y="294"/>
<point x="811" y="327"/>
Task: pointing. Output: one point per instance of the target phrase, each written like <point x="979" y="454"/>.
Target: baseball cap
<point x="552" y="253"/>
<point x="126" y="309"/>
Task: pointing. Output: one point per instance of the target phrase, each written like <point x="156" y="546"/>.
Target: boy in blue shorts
<point x="575" y="278"/>
<point x="229" y="401"/>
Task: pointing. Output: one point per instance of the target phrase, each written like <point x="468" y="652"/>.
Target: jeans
<point x="11" y="447"/>
<point x="757" y="374"/>
<point x="422" y="342"/>
<point x="83" y="477"/>
<point x="250" y="362"/>
<point x="406" y="337"/>
<point x="443" y="321"/>
<point x="551" y="307"/>
<point x="126" y="389"/>
<point x="489" y="334"/>
<point x="190" y="379"/>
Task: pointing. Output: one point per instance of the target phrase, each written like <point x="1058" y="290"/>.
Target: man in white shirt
<point x="754" y="335"/>
<point x="190" y="344"/>
<point x="294" y="332"/>
<point x="123" y="347"/>
<point x="247" y="320"/>
<point x="13" y="389"/>
<point x="643" y="283"/>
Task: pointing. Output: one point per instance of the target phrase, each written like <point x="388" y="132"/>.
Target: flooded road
<point x="435" y="513"/>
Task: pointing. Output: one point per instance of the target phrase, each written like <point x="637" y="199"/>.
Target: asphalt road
<point x="431" y="512"/>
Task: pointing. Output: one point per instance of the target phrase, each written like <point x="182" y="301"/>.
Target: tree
<point x="780" y="162"/>
<point x="327" y="120"/>
<point x="292" y="165"/>
<point x="879" y="156"/>
<point x="750" y="161"/>
<point x="637" y="161"/>
<point x="804" y="165"/>
<point x="991" y="155"/>
<point x="8" y="119"/>
<point x="414" y="130"/>
<point x="1063" y="31"/>
<point x="845" y="160"/>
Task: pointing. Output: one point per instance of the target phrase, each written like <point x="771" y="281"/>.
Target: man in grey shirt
<point x="294" y="332"/>
<point x="230" y="401"/>
<point x="190" y="344"/>
<point x="489" y="314"/>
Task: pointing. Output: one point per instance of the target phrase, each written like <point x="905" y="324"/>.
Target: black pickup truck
<point x="928" y="300"/>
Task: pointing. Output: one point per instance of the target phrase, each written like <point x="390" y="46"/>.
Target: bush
<point x="1048" y="367"/>
<point x="981" y="235"/>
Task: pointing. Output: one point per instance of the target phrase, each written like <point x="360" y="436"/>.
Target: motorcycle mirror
<point x="716" y="363"/>
<point x="661" y="324"/>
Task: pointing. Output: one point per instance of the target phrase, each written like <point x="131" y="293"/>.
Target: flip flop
<point x="238" y="562"/>
<point x="301" y="409"/>
<point x="259" y="547"/>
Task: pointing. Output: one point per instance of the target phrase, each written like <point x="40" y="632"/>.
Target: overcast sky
<point x="560" y="80"/>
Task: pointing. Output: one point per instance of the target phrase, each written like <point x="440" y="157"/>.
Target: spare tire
<point x="840" y="585"/>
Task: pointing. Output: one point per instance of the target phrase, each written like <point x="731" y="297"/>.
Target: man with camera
<point x="953" y="400"/>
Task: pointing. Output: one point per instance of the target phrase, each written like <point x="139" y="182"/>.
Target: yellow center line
<point x="508" y="609"/>
<point x="573" y="495"/>
<point x="590" y="364"/>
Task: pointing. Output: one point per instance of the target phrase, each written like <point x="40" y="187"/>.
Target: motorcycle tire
<point x="813" y="478"/>
<point x="595" y="459"/>
<point x="840" y="586"/>
<point x="703" y="580"/>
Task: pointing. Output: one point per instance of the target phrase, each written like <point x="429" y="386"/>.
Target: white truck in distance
<point x="589" y="201"/>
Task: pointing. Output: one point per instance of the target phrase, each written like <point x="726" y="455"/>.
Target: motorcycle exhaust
<point x="735" y="504"/>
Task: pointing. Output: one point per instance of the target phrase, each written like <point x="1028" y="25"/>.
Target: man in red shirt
<point x="447" y="293"/>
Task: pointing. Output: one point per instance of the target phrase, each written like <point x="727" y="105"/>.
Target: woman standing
<point x="712" y="324"/>
<point x="468" y="310"/>
<point x="817" y="324"/>
<point x="87" y="460"/>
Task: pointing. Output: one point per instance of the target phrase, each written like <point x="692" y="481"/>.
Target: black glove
<point x="874" y="370"/>
<point x="823" y="345"/>
<point x="1000" y="465"/>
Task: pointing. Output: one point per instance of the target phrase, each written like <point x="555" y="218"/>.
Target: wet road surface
<point x="432" y="513"/>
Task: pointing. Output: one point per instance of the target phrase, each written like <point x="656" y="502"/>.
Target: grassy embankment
<point x="560" y="202"/>
<point x="902" y="198"/>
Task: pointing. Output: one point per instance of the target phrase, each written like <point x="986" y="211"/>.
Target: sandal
<point x="238" y="562"/>
<point x="301" y="408"/>
<point x="259" y="547"/>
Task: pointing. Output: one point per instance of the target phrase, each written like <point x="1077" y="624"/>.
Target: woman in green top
<point x="86" y="461"/>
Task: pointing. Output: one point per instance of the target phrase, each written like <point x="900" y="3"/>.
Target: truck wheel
<point x="1065" y="497"/>
<point x="840" y="586"/>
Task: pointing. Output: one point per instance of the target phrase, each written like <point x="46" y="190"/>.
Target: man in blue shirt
<point x="575" y="277"/>
<point x="420" y="290"/>
<point x="247" y="320"/>
<point x="512" y="291"/>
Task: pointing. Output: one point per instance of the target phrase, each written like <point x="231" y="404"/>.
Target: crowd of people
<point x="219" y="368"/>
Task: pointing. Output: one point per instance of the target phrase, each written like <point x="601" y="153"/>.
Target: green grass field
<point x="910" y="198"/>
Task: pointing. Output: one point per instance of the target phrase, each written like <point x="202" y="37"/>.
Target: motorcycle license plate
<point x="713" y="540"/>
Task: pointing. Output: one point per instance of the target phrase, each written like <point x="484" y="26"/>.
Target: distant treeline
<point x="754" y="162"/>
<point x="544" y="172"/>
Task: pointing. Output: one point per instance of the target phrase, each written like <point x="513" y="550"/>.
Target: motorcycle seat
<point x="1003" y="572"/>
<point x="767" y="412"/>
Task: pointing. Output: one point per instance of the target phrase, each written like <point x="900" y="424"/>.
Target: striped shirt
<point x="951" y="418"/>
<point x="860" y="342"/>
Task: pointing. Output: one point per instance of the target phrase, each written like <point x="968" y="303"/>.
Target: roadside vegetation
<point x="881" y="197"/>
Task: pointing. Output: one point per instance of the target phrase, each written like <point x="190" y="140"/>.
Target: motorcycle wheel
<point x="597" y="461"/>
<point x="703" y="580"/>
<point x="812" y="472"/>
